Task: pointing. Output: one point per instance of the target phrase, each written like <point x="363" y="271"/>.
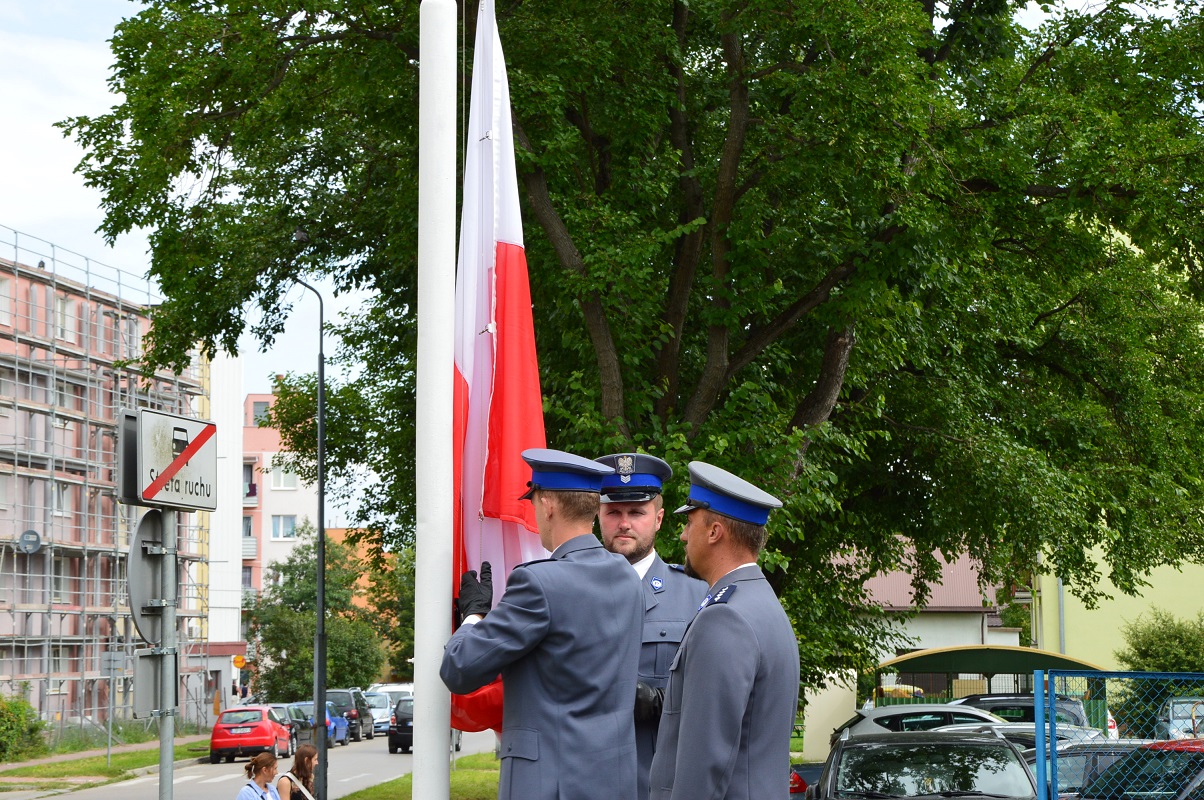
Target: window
<point x="6" y="491"/>
<point x="64" y="325"/>
<point x="62" y="499"/>
<point x="246" y="528"/>
<point x="60" y="663"/>
<point x="246" y="578"/>
<point x="284" y="527"/>
<point x="60" y="573"/>
<point x="259" y="411"/>
<point x="6" y="302"/>
<point x="283" y="478"/>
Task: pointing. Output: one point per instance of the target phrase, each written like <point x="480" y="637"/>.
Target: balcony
<point x="250" y="495"/>
<point x="250" y="547"/>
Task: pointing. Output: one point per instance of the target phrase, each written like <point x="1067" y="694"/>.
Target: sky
<point x="56" y="65"/>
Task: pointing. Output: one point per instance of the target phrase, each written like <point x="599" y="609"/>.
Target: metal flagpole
<point x="436" y="359"/>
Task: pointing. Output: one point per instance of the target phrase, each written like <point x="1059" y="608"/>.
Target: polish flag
<point x="498" y="406"/>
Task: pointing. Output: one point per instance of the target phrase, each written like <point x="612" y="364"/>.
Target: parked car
<point x="401" y="728"/>
<point x="1168" y="770"/>
<point x="1022" y="708"/>
<point x="338" y="730"/>
<point x="803" y="776"/>
<point x="352" y="705"/>
<point x="396" y="691"/>
<point x="1079" y="763"/>
<point x="1180" y="718"/>
<point x="304" y="727"/>
<point x="923" y="764"/>
<point x="911" y="717"/>
<point x="248" y="731"/>
<point x="1024" y="734"/>
<point x="381" y="708"/>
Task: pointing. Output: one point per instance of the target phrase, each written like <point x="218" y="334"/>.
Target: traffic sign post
<point x="168" y="462"/>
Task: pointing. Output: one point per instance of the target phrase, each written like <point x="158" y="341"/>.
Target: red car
<point x="248" y="730"/>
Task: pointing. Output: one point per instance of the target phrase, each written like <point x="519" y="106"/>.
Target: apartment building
<point x="67" y="640"/>
<point x="275" y="500"/>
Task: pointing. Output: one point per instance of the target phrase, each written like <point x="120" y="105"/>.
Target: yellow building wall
<point x="1094" y="635"/>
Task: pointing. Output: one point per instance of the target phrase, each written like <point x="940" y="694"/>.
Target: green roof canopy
<point x="984" y="659"/>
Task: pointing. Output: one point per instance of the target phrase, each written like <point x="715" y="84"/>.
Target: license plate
<point x="240" y="730"/>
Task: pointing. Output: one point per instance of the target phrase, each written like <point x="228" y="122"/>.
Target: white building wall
<point x="301" y="502"/>
<point x="225" y="543"/>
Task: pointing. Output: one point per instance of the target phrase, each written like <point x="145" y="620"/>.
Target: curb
<point x="154" y="768"/>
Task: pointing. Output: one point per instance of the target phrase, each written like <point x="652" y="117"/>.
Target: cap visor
<point x="627" y="497"/>
<point x="527" y="495"/>
<point x="686" y="509"/>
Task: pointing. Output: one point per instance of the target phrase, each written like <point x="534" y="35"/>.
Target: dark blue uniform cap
<point x="638" y="477"/>
<point x="724" y="493"/>
<point x="558" y="471"/>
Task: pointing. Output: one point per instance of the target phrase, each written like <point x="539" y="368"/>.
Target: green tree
<point x="283" y="622"/>
<point x="930" y="276"/>
<point x="1157" y="641"/>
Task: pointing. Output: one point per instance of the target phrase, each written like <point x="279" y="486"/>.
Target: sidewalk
<point x="100" y="751"/>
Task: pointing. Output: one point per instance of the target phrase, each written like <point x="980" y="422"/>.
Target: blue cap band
<point x="729" y="506"/>
<point x="566" y="481"/>
<point x="637" y="480"/>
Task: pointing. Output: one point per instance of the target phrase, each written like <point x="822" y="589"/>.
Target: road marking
<point x="139" y="780"/>
<point x="182" y="778"/>
<point x="221" y="778"/>
<point x="355" y="777"/>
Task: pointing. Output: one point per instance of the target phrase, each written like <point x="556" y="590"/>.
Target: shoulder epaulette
<point x="723" y="596"/>
<point x="677" y="567"/>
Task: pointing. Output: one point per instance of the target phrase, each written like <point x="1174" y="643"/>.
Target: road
<point x="353" y="767"/>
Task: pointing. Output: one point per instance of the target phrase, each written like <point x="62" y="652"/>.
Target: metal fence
<point x="1119" y="735"/>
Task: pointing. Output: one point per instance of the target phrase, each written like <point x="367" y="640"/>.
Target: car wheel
<point x="214" y="758"/>
<point x="371" y="731"/>
<point x="359" y="732"/>
<point x="405" y="749"/>
<point x="292" y="743"/>
<point x="229" y="759"/>
<point x="392" y="748"/>
<point x="330" y="742"/>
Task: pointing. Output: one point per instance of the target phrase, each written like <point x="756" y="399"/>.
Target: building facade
<point x="66" y="635"/>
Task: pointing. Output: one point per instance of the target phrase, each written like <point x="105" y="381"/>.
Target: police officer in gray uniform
<point x="565" y="639"/>
<point x="631" y="514"/>
<point x="732" y="696"/>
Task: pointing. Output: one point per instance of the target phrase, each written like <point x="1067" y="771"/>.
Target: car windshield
<point x="377" y="700"/>
<point x="405" y="705"/>
<point x="240" y="717"/>
<point x="1146" y="774"/>
<point x="914" y="769"/>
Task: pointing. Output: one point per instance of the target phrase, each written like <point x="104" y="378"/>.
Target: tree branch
<point x="610" y="373"/>
<point x="817" y="406"/>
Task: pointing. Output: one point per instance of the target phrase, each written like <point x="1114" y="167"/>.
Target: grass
<point x="96" y="767"/>
<point x="473" y="778"/>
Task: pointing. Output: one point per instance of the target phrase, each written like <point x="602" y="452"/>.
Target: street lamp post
<point x="320" y="635"/>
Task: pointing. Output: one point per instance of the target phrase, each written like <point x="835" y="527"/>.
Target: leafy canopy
<point x="929" y="276"/>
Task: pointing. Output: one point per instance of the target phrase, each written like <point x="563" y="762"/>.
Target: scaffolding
<point x="68" y="325"/>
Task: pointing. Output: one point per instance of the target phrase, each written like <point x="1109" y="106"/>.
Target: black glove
<point x="648" y="702"/>
<point x="476" y="596"/>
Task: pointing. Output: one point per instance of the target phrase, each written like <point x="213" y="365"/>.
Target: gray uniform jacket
<point x="671" y="599"/>
<point x="565" y="639"/>
<point x="731" y="700"/>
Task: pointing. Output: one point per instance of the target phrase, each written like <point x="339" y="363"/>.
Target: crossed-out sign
<point x="177" y="461"/>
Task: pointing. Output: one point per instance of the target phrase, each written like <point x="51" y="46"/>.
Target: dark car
<point x="1022" y="707"/>
<point x="354" y="708"/>
<point x="923" y="764"/>
<point x="1171" y="770"/>
<point x="300" y="716"/>
<point x="1079" y="763"/>
<point x="401" y="726"/>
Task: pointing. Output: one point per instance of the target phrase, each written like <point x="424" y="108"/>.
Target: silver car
<point x="381" y="707"/>
<point x="912" y="717"/>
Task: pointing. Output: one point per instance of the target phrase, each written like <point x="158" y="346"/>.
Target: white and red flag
<point x="498" y="406"/>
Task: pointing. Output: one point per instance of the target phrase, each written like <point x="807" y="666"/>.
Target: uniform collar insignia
<point x="657" y="584"/>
